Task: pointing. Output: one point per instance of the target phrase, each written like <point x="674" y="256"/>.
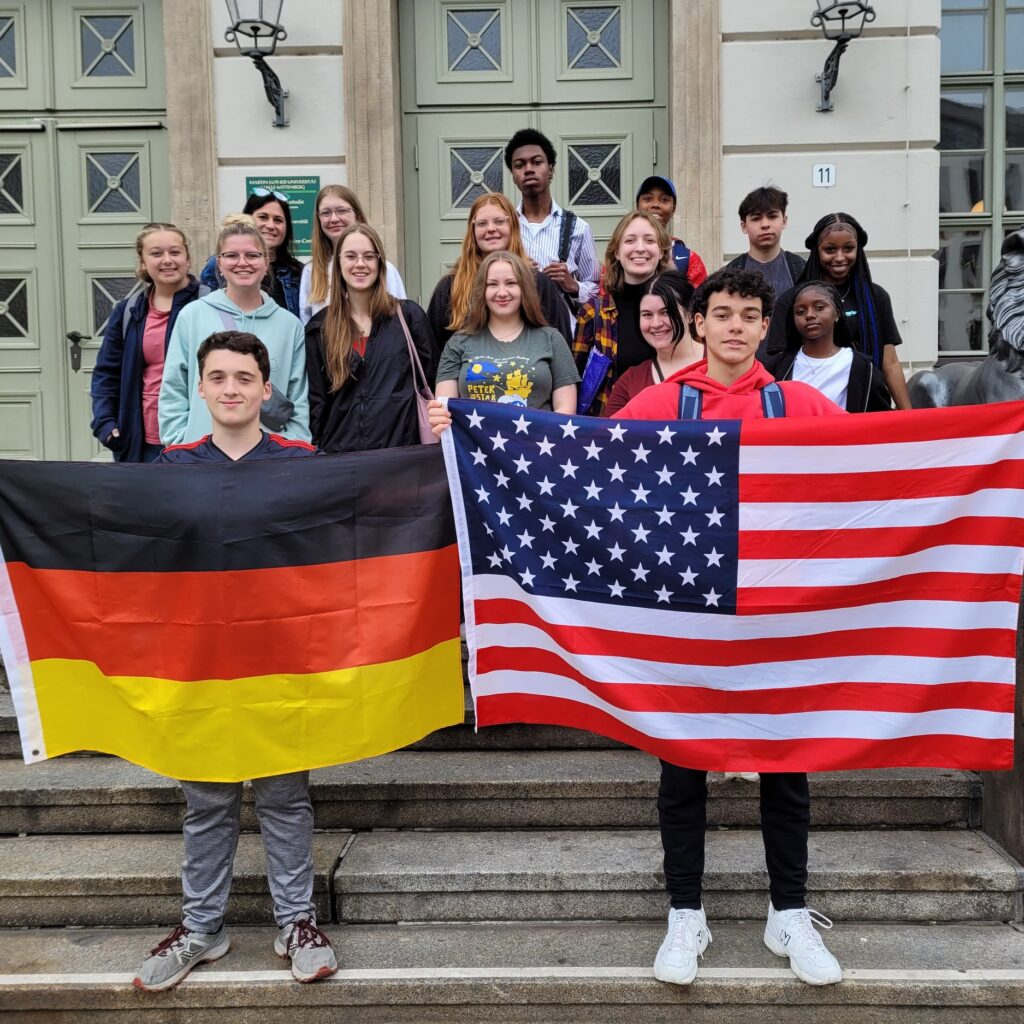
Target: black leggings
<point x="785" y="822"/>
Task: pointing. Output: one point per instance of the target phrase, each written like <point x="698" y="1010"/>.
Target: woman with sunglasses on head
<point x="337" y="208"/>
<point x="361" y="373"/>
<point x="665" y="326"/>
<point x="492" y="226"/>
<point x="273" y="218"/>
<point x="130" y="363"/>
<point x="505" y="352"/>
<point x="241" y="305"/>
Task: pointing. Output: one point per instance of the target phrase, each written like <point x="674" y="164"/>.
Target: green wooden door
<point x="586" y="74"/>
<point x="82" y="168"/>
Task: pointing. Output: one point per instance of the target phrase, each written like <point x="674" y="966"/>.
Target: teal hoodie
<point x="183" y="414"/>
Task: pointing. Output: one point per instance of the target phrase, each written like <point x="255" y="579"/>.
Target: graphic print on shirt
<point x="506" y="380"/>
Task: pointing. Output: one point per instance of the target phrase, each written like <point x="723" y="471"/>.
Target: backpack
<point x="565" y="234"/>
<point x="691" y="401"/>
<point x="680" y="256"/>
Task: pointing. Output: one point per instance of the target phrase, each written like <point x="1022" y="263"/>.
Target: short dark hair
<point x="763" y="200"/>
<point x="674" y="290"/>
<point x="748" y="284"/>
<point x="529" y="137"/>
<point x="243" y="342"/>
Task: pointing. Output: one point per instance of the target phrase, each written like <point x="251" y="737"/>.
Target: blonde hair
<point x="465" y="270"/>
<point x="235" y="224"/>
<point x="339" y="332"/>
<point x="140" y="240"/>
<point x="323" y="247"/>
<point x="614" y="278"/>
<point x="529" y="308"/>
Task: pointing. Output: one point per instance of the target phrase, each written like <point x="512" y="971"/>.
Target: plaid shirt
<point x="597" y="325"/>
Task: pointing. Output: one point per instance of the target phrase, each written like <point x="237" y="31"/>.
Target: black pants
<point x="785" y="822"/>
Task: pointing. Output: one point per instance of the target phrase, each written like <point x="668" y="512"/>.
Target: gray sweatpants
<point x="211" y="827"/>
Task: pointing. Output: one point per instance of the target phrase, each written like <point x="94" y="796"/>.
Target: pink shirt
<point x="153" y="352"/>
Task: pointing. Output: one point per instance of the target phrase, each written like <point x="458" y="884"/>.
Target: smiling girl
<point x="608" y="334"/>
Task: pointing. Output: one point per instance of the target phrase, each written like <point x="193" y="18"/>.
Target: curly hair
<point x="748" y="284"/>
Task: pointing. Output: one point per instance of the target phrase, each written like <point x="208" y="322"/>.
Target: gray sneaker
<point x="173" y="957"/>
<point x="309" y="950"/>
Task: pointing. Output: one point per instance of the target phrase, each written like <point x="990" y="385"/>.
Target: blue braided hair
<point x="869" y="342"/>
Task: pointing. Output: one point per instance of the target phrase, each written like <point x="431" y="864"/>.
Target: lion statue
<point x="999" y="377"/>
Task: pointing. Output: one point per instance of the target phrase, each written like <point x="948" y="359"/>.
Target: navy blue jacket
<point x="286" y="277"/>
<point x="117" y="379"/>
<point x="270" y="446"/>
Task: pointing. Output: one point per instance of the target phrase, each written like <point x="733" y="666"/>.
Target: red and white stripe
<point x="880" y="562"/>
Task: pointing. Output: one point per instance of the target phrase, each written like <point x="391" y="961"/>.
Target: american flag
<point x="803" y="594"/>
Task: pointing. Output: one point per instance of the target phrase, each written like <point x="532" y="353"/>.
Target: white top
<point x="829" y="376"/>
<point x="307" y="309"/>
<point x="541" y="244"/>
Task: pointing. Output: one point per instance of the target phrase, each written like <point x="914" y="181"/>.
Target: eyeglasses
<point x="494" y="222"/>
<point x="369" y="258"/>
<point x="243" y="257"/>
<point x="339" y="212"/>
<point x="261" y="192"/>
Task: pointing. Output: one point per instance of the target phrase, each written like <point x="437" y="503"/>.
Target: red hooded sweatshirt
<point x="740" y="401"/>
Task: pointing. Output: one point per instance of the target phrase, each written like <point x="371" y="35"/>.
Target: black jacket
<point x="866" y="391"/>
<point x="552" y="304"/>
<point x="376" y="406"/>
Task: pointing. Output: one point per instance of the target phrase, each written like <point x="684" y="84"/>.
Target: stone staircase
<point x="510" y="876"/>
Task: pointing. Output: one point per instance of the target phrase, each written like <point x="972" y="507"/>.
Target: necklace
<point x="503" y="337"/>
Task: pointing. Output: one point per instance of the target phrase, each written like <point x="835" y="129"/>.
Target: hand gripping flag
<point x="227" y="622"/>
<point x="791" y="595"/>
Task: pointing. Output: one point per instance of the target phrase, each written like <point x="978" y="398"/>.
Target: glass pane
<point x="1015" y="181"/>
<point x="962" y="183"/>
<point x="593" y="37"/>
<point x="474" y="40"/>
<point x="475" y="170"/>
<point x="107" y="46"/>
<point x="962" y="119"/>
<point x="13" y="307"/>
<point x="8" y="56"/>
<point x="11" y="187"/>
<point x="961" y="258"/>
<point x="107" y="292"/>
<point x="1015" y="41"/>
<point x="113" y="183"/>
<point x="950" y="5"/>
<point x="964" y="43"/>
<point x="595" y="175"/>
<point x="960" y="323"/>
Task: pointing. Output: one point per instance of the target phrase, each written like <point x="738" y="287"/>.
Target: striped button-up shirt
<point x="541" y="244"/>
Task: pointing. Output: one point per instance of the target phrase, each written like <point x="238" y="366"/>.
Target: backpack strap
<point x="565" y="234"/>
<point x="773" y="402"/>
<point x="691" y="401"/>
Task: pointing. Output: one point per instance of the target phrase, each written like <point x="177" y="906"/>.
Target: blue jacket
<point x="117" y="379"/>
<point x="288" y="279"/>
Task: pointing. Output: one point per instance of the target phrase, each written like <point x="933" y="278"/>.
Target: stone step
<point x="54" y="881"/>
<point x="593" y="972"/>
<point x="503" y="876"/>
<point x="474" y="789"/>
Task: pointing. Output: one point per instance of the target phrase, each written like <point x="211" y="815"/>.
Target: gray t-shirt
<point x="776" y="272"/>
<point x="525" y="371"/>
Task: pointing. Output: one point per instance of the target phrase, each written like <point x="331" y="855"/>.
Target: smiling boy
<point x="234" y="380"/>
<point x="731" y="311"/>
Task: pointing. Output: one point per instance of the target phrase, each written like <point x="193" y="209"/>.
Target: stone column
<point x="373" y="155"/>
<point x="694" y="119"/>
<point x="192" y="154"/>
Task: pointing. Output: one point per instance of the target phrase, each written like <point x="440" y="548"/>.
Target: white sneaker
<point x="686" y="939"/>
<point x="791" y="933"/>
<point x="745" y="776"/>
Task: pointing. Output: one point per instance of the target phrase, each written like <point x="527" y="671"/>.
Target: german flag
<point x="225" y="622"/>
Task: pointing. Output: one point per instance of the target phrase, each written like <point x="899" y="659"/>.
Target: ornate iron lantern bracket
<point x="840" y="22"/>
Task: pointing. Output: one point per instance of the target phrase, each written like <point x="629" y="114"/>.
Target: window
<point x="981" y="184"/>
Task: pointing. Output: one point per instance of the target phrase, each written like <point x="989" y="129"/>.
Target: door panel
<point x="596" y="52"/>
<point x="23" y="46"/>
<point x="32" y="407"/>
<point x="464" y="43"/>
<point x="113" y="182"/>
<point x="107" y="56"/>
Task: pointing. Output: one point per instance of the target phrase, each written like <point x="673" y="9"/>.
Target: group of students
<point x="264" y="358"/>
